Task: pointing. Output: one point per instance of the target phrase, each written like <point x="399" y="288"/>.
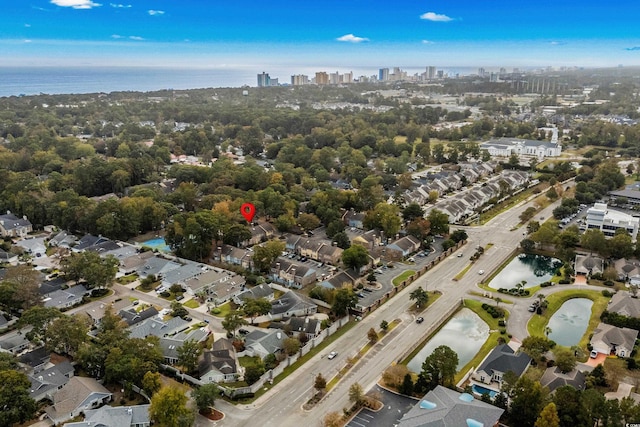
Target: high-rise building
<point x="334" y="78"/>
<point x="347" y="77"/>
<point x="299" y="80"/>
<point x="383" y="74"/>
<point x="264" y="80"/>
<point x="481" y="72"/>
<point x="431" y="72"/>
<point x="322" y="78"/>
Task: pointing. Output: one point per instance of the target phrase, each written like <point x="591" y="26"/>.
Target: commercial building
<point x="608" y="221"/>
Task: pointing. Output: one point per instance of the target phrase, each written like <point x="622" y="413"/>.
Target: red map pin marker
<point x="248" y="211"/>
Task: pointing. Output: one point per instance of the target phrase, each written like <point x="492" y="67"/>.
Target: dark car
<point x="420" y="320"/>
<point x="243" y="332"/>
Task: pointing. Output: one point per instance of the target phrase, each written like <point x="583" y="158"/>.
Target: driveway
<point x="395" y="406"/>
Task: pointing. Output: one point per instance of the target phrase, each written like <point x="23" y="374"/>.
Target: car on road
<point x="532" y="308"/>
<point x="332" y="355"/>
<point x="460" y="254"/>
<point x="593" y="354"/>
<point x="243" y="332"/>
<point x="420" y="320"/>
<point x="481" y="272"/>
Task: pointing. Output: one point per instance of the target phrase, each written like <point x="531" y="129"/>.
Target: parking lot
<point x="395" y="406"/>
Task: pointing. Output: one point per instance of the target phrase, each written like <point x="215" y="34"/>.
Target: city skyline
<point x="334" y="35"/>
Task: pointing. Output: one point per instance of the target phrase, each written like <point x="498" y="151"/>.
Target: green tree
<point x="320" y="383"/>
<point x="356" y="394"/>
<point x="151" y="382"/>
<point x="548" y="417"/>
<point x="384" y="217"/>
<point x="169" y="408"/>
<point x="17" y="406"/>
<point x="439" y="368"/>
<point x="291" y="346"/>
<point x="411" y="212"/>
<point x="252" y="373"/>
<point x="569" y="407"/>
<point x="355" y="257"/>
<point x="565" y="359"/>
<point x="94" y="270"/>
<point x="39" y="318"/>
<point x="420" y="296"/>
<point x="254" y="307"/>
<point x="594" y="240"/>
<point x="66" y="334"/>
<point x="439" y="222"/>
<point x="188" y="354"/>
<point x="372" y="335"/>
<point x="232" y="321"/>
<point x="536" y="346"/>
<point x="264" y="255"/>
<point x="407" y="385"/>
<point x="344" y="299"/>
<point x="308" y="221"/>
<point x="205" y="397"/>
<point x="342" y="240"/>
<point x="384" y="325"/>
<point x="528" y="400"/>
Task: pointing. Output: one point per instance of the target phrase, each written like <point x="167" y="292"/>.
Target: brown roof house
<point x="78" y="395"/>
<point x="220" y="364"/>
<point x="608" y="339"/>
<point x="588" y="265"/>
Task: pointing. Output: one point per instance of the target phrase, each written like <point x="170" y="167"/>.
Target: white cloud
<point x="27" y="41"/>
<point x="116" y="36"/>
<point x="135" y="38"/>
<point x="27" y="25"/>
<point x="436" y="17"/>
<point x="76" y="4"/>
<point x="156" y="12"/>
<point x="352" y="39"/>
<point x="120" y="6"/>
<point x="556" y="43"/>
<point x="427" y="42"/>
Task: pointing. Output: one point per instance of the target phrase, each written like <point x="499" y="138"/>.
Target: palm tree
<point x="547" y="331"/>
<point x="498" y="301"/>
<point x="541" y="297"/>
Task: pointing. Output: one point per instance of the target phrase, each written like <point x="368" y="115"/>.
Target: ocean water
<point x="16" y="81"/>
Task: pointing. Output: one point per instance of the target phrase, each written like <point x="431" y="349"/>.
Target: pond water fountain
<point x="464" y="333"/>
<point x="533" y="269"/>
<point x="570" y="322"/>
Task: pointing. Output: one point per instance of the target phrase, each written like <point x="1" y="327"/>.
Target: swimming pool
<point x="482" y="390"/>
<point x="158" y="243"/>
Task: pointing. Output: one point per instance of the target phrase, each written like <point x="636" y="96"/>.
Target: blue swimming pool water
<point x="157" y="243"/>
<point x="482" y="390"/>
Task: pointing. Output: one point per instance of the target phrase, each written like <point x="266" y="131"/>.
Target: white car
<point x="594" y="354"/>
<point x="481" y="272"/>
<point x="332" y="355"/>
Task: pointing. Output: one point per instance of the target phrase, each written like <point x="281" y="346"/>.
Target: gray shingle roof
<point x="503" y="359"/>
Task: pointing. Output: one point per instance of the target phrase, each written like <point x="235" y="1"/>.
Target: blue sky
<point x="326" y="34"/>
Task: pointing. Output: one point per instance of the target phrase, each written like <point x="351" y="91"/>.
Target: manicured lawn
<point x="402" y="277"/>
<point x="191" y="304"/>
<point x="538" y="322"/>
<point x="246" y="361"/>
<point x="124" y="280"/>
<point x="224" y="310"/>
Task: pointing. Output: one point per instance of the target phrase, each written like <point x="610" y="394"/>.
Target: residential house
<point x="15" y="342"/>
<point x="588" y="264"/>
<point x="608" y="339"/>
<point x="216" y="285"/>
<point x="353" y="219"/>
<point x="8" y="257"/>
<point x="499" y="361"/>
<point x="553" y="378"/>
<point x="260" y="233"/>
<point x="63" y="240"/>
<point x="628" y="270"/>
<point x="624" y="304"/>
<point x="505" y="147"/>
<point x="403" y="247"/>
<point x="220" y="364"/>
<point x="34" y="246"/>
<point x="261" y="343"/>
<point x="369" y="239"/>
<point x="158" y="327"/>
<point x="307" y="325"/>
<point x="118" y="416"/>
<point x="156" y="266"/>
<point x="260" y="291"/>
<point x="36" y="359"/>
<point x="78" y="395"/>
<point x="66" y="298"/>
<point x="443" y="407"/>
<point x="310" y="247"/>
<point x="330" y="254"/>
<point x="48" y="287"/>
<point x="45" y="384"/>
<point x="178" y="276"/>
<point x="291" y="274"/>
<point x="343" y="278"/>
<point x="292" y="304"/>
<point x="87" y="241"/>
<point x="131" y="315"/>
<point x="12" y="226"/>
<point x="170" y="345"/>
<point x="130" y="264"/>
<point x="291" y="243"/>
<point x="96" y="310"/>
<point x="235" y="256"/>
